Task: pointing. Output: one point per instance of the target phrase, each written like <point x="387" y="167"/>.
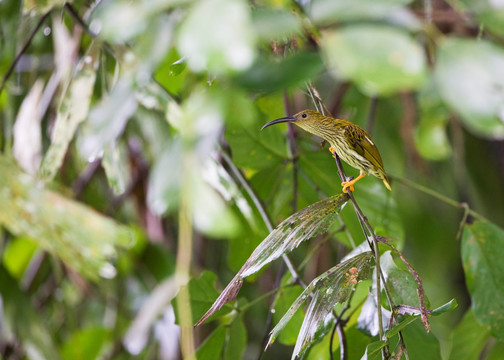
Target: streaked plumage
<point x="351" y="142"/>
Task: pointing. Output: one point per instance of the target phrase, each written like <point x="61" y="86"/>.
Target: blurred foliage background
<point x="132" y="163"/>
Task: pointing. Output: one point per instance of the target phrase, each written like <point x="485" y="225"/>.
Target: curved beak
<point x="281" y="120"/>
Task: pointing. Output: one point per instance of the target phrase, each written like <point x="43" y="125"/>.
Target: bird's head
<point x="305" y="119"/>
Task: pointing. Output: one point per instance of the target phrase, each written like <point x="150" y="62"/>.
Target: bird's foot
<point x="347" y="185"/>
<point x="331" y="149"/>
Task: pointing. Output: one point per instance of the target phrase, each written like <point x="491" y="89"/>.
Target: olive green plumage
<point x="351" y="142"/>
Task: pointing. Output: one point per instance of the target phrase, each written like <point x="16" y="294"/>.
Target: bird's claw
<point x="347" y="185"/>
<point x="331" y="149"/>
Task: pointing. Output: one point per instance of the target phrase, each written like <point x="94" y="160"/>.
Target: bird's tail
<point x="386" y="181"/>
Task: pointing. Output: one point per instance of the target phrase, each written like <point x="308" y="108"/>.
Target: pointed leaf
<point x="332" y="287"/>
<point x="301" y="226"/>
<point x="72" y="111"/>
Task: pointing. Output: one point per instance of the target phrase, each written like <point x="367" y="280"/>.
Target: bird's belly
<point x="352" y="158"/>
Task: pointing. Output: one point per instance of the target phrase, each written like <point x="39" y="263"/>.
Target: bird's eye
<point x="304" y="116"/>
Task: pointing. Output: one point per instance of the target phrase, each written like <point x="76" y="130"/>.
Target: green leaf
<point x="332" y="287"/>
<point x="283" y="300"/>
<point x="420" y="345"/>
<point x="470" y="78"/>
<point x="107" y="119"/>
<point x="202" y="294"/>
<point x="213" y="345"/>
<point x="468" y="339"/>
<point x="72" y="111"/>
<point x="236" y="340"/>
<point x="380" y="60"/>
<point x="482" y="251"/>
<point x="84" y="239"/>
<point x="272" y="75"/>
<point x="431" y="138"/>
<point x="19" y="317"/>
<point x="85" y="344"/>
<point x="225" y="50"/>
<point x="401" y="285"/>
<point x="274" y="24"/>
<point x="373" y="351"/>
<point x="335" y="11"/>
<point x="17" y="256"/>
<point x="301" y="226"/>
<point x="489" y="13"/>
<point x="449" y="306"/>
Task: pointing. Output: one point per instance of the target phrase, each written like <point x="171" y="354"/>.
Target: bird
<point x="349" y="141"/>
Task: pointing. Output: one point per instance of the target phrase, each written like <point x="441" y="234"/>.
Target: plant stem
<point x="261" y="210"/>
<point x="439" y="196"/>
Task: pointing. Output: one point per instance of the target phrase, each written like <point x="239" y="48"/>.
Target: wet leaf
<point x="108" y="119"/>
<point x="84" y="239"/>
<point x="332" y="287"/>
<point x="225" y="50"/>
<point x="470" y="78"/>
<point x="301" y="226"/>
<point x="72" y="111"/>
<point x="380" y="60"/>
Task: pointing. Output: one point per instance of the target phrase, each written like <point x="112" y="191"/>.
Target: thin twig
<point x="372" y="114"/>
<point x="269" y="319"/>
<point x="23" y="50"/>
<point x="364" y="223"/>
<point x="261" y="210"/>
<point x="338" y="324"/>
<point x="439" y="196"/>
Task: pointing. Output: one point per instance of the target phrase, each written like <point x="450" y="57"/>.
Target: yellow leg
<point x="331" y="149"/>
<point x="349" y="184"/>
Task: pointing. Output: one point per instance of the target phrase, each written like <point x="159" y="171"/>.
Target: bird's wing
<point x="361" y="142"/>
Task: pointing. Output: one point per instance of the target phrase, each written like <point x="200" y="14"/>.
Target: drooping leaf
<point x="108" y="119"/>
<point x="380" y="60"/>
<point x="301" y="226"/>
<point x="470" y="76"/>
<point x="72" y="111"/>
<point x="27" y="149"/>
<point x="332" y="287"/>
<point x="482" y="250"/>
<point x="84" y="239"/>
